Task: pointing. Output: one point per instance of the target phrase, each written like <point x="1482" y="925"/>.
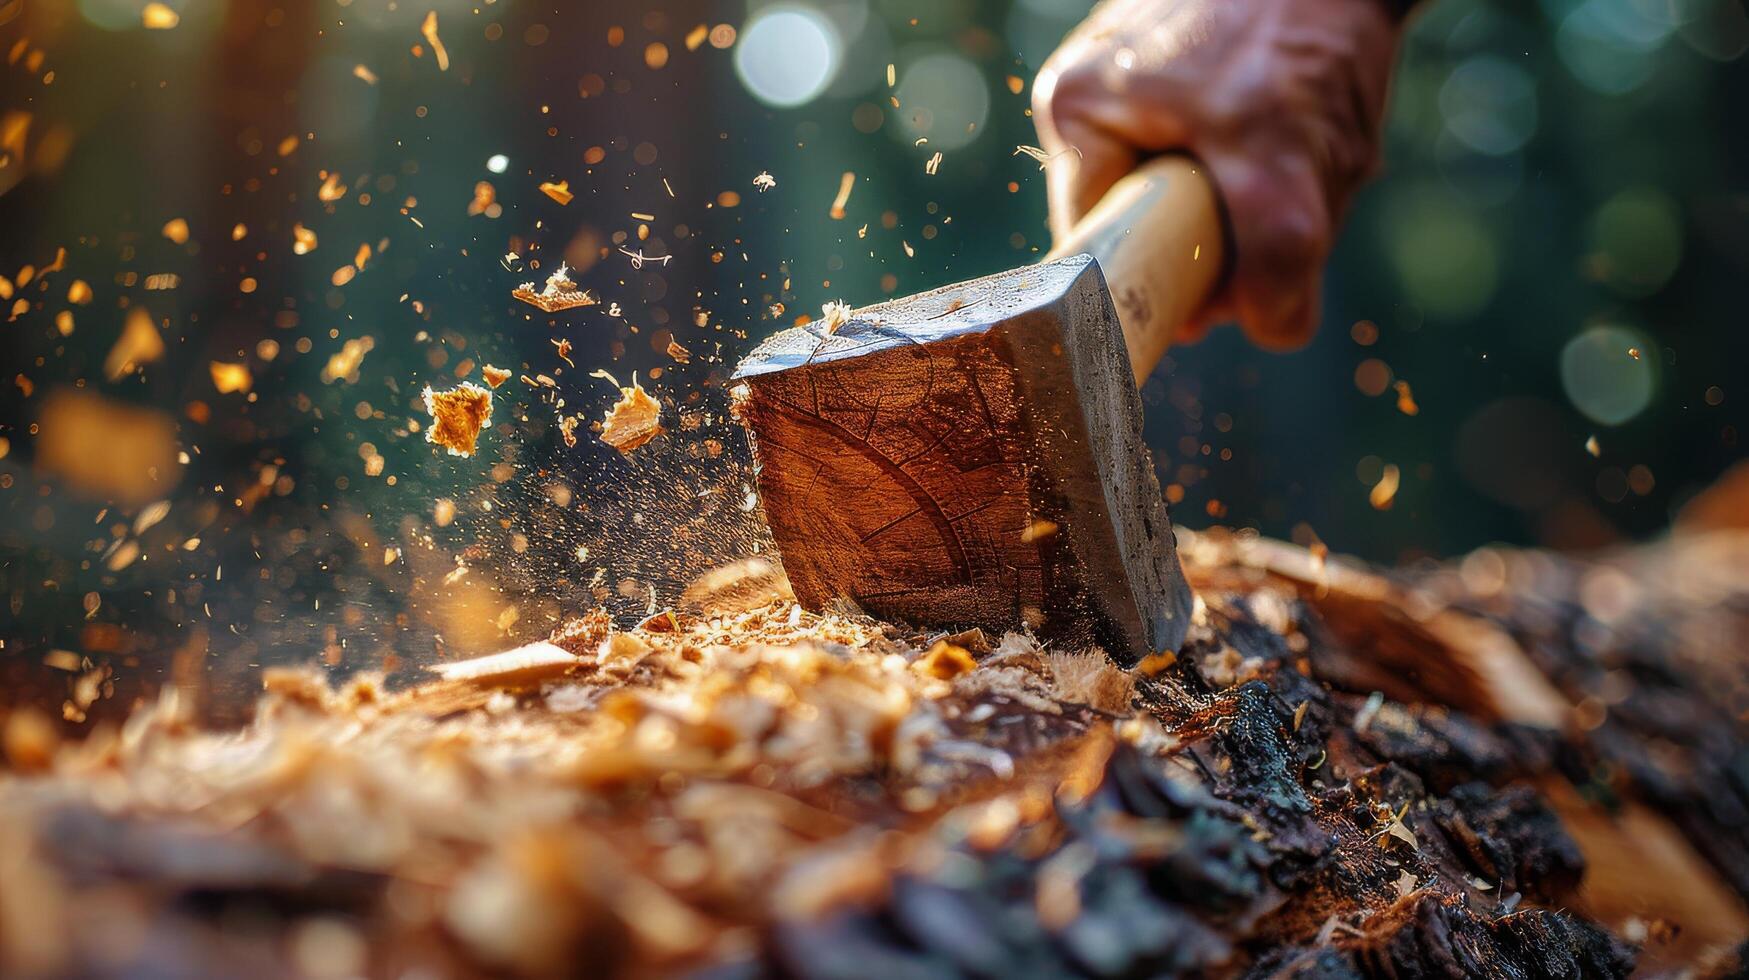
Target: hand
<point x="1281" y="99"/>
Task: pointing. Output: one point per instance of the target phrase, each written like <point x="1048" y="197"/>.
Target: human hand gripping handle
<point x="1278" y="101"/>
<point x="1158" y="237"/>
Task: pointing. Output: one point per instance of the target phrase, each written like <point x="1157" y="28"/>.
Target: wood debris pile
<point x="1340" y="775"/>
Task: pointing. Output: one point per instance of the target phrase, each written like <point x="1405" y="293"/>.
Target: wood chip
<point x="559" y="293"/>
<point x="633" y="420"/>
<point x="523" y="665"/>
<point x="457" y="417"/>
<point x="559" y="191"/>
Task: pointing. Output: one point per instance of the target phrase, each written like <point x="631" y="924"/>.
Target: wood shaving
<point x="834" y="315"/>
<point x="1384" y="492"/>
<point x="1040" y="156"/>
<point x="739" y="785"/>
<point x="846" y="183"/>
<point x="639" y="258"/>
<point x="428" y="30"/>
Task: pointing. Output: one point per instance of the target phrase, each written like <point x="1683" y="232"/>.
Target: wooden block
<point x="970" y="456"/>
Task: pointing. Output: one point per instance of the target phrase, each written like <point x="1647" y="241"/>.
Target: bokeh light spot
<point x="1602" y="377"/>
<point x="112" y="15"/>
<point x="1719" y="31"/>
<point x="1372" y="376"/>
<point x="1490" y="104"/>
<point x="1608" y="44"/>
<point x="787" y="55"/>
<point x="1636" y="241"/>
<point x="942" y="98"/>
<point x="1445" y="259"/>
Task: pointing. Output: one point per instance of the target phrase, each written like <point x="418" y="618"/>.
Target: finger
<point x="1281" y="228"/>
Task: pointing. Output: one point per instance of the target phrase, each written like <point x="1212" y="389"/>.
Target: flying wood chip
<point x="559" y="293"/>
<point x="140" y="343"/>
<point x="633" y="420"/>
<point x="457" y="416"/>
<point x="560" y="191"/>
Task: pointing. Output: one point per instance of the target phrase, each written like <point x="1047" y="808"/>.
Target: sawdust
<point x="737" y="780"/>
<point x="725" y="720"/>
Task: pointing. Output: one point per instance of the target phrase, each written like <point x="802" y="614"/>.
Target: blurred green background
<point x="1531" y="319"/>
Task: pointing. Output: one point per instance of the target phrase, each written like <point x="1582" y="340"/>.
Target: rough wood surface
<point x="970" y="457"/>
<point x="741" y="788"/>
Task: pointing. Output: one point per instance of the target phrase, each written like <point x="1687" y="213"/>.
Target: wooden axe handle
<point x="1159" y="239"/>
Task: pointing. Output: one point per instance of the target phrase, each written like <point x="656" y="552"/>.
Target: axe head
<point x="970" y="456"/>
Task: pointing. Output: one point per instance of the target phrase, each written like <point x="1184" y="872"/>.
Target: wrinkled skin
<point x="1281" y="99"/>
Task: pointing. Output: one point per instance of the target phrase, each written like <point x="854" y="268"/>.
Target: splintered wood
<point x="1326" y="780"/>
